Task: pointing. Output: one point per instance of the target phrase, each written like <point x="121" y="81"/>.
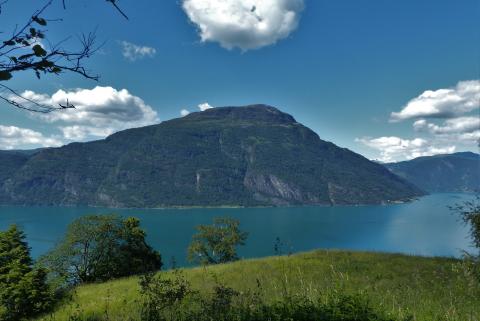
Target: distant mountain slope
<point x="458" y="172"/>
<point x="253" y="155"/>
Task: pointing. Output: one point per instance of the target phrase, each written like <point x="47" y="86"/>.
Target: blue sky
<point x="341" y="67"/>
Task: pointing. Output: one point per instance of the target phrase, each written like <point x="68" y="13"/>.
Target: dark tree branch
<point x="114" y="3"/>
<point x="24" y="51"/>
<point x="13" y="98"/>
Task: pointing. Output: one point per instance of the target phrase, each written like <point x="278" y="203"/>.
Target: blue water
<point x="423" y="227"/>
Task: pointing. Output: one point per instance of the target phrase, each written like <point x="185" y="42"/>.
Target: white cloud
<point x="184" y="112"/>
<point x="392" y="148"/>
<point x="98" y="112"/>
<point x="244" y="24"/>
<point x="445" y="120"/>
<point x="134" y="52"/>
<point x="459" y="125"/>
<point x="204" y="106"/>
<point x="442" y="103"/>
<point x="12" y="137"/>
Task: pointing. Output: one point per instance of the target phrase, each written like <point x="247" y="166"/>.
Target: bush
<point x="171" y="298"/>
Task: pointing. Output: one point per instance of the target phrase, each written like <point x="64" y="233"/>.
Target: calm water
<point x="424" y="227"/>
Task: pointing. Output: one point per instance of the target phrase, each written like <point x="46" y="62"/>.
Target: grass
<point x="426" y="288"/>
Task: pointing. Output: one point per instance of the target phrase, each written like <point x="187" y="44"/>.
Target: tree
<point x="25" y="49"/>
<point x="99" y="248"/>
<point x="23" y="289"/>
<point x="469" y="212"/>
<point x="217" y="243"/>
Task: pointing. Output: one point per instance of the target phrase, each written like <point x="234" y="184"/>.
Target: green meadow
<point x="403" y="287"/>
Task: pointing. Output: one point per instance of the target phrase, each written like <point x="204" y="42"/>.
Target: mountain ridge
<point x="456" y="172"/>
<point x="254" y="155"/>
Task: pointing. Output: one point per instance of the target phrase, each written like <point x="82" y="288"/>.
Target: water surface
<point x="423" y="227"/>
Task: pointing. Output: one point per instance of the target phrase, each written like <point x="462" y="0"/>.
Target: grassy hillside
<point x="427" y="288"/>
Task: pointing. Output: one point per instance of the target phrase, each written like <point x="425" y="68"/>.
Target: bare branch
<point x="30" y="104"/>
<point x="114" y="3"/>
<point x="23" y="51"/>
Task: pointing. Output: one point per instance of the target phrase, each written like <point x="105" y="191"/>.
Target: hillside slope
<point x="458" y="172"/>
<point x="429" y="289"/>
<point x="247" y="156"/>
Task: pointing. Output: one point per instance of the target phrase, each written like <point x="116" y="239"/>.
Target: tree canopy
<point x="23" y="289"/>
<point x="217" y="243"/>
<point x="99" y="248"/>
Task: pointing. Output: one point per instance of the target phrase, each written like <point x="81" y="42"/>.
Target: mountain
<point x="246" y="156"/>
<point x="458" y="172"/>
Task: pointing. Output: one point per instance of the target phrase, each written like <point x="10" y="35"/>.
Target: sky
<point x="389" y="79"/>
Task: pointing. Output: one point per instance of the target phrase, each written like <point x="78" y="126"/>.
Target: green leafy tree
<point x="217" y="243"/>
<point x="23" y="289"/>
<point x="469" y="212"/>
<point x="99" y="248"/>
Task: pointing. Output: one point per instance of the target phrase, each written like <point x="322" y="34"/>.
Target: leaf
<point x="33" y="32"/>
<point x="5" y="75"/>
<point x="9" y="43"/>
<point x="23" y="57"/>
<point x="37" y="73"/>
<point x="39" y="51"/>
<point x="39" y="20"/>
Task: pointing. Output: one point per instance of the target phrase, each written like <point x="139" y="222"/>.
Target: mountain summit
<point x="247" y="156"/>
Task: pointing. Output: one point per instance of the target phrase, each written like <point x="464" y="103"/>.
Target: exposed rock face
<point x="248" y="156"/>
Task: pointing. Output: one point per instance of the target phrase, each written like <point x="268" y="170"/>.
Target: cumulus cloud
<point x="184" y="112"/>
<point x="12" y="137"/>
<point x="442" y="103"/>
<point x="98" y="112"/>
<point x="204" y="106"/>
<point x="392" y="148"/>
<point x="134" y="52"/>
<point x="244" y="24"/>
<point x="444" y="120"/>
<point x="457" y="125"/>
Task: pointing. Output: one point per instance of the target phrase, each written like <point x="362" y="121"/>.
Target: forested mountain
<point x="246" y="156"/>
<point x="458" y="172"/>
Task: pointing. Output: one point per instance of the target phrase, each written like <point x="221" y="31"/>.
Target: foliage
<point x="217" y="243"/>
<point x="25" y="49"/>
<point x="171" y="298"/>
<point x="23" y="289"/>
<point x="101" y="247"/>
<point x="469" y="212"/>
<point x="162" y="295"/>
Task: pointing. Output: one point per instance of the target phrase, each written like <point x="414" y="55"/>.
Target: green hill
<point x="429" y="289"/>
<point x="246" y="156"/>
<point x="458" y="172"/>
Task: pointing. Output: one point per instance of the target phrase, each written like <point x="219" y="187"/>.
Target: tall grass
<point x="391" y="286"/>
